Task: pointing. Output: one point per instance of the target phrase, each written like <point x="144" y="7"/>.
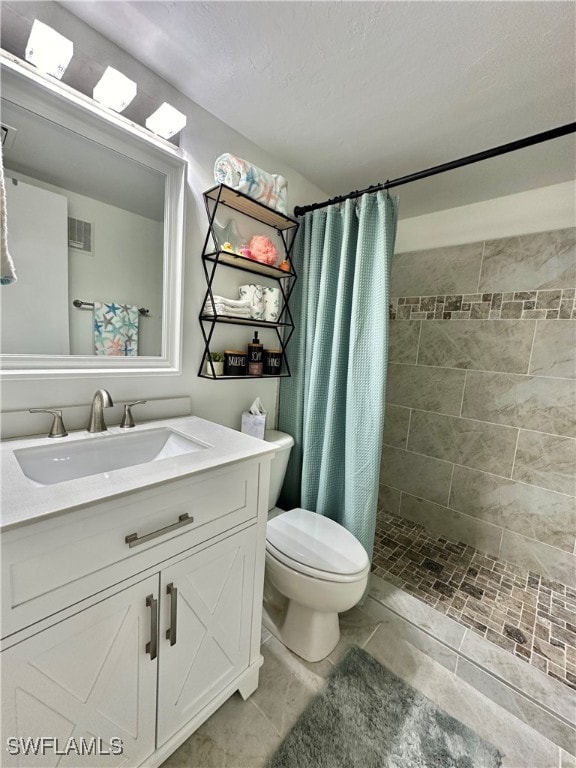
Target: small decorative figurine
<point x="246" y="252"/>
<point x="284" y="265"/>
<point x="228" y="247"/>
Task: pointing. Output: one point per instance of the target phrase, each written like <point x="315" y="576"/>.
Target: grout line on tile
<point x="500" y="544"/>
<point x="418" y="342"/>
<point x="265" y="716"/>
<point x="450" y="486"/>
<point x="409" y="426"/>
<point x="376" y="628"/>
<point x="532" y="347"/>
<point x="463" y="393"/>
<point x="483" y="370"/>
<point x="514" y="459"/>
<point x="481" y="267"/>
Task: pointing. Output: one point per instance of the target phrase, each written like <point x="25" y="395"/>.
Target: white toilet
<point x="315" y="569"/>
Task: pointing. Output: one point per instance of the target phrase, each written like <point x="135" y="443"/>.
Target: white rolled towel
<point x="268" y="188"/>
<point x="7" y="270"/>
<point x="271" y="298"/>
<point x="253" y="294"/>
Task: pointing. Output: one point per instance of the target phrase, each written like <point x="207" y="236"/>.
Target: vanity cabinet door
<point x="211" y="596"/>
<point x="88" y="677"/>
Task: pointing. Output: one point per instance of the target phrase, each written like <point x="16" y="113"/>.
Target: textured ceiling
<point x="353" y="93"/>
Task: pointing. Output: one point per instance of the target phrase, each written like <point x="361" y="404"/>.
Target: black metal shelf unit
<point x="213" y="257"/>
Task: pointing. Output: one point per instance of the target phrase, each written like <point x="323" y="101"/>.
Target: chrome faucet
<point x="100" y="401"/>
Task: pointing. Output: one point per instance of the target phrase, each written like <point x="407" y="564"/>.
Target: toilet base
<point x="310" y="634"/>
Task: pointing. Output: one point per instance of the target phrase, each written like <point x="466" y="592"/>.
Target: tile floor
<point x="244" y="734"/>
<point x="524" y="613"/>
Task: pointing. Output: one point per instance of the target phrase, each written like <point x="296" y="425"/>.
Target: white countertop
<point x="24" y="502"/>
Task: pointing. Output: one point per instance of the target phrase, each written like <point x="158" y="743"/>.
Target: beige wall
<point x="480" y="432"/>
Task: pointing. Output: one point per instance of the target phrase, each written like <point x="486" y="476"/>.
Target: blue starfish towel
<point x="115" y="329"/>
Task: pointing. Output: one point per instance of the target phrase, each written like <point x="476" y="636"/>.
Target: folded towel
<point x="236" y="303"/>
<point x="221" y="310"/>
<point x="268" y="188"/>
<point x="7" y="271"/>
<point x="115" y="329"/>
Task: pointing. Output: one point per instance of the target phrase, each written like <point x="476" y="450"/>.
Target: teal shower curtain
<point x="333" y="405"/>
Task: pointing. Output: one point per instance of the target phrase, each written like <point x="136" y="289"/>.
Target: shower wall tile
<point x="486" y="345"/>
<point x="482" y="373"/>
<point x="540" y="558"/>
<point x="538" y="513"/>
<point x="548" y="461"/>
<point x="439" y="270"/>
<point x="463" y="441"/>
<point x="432" y="389"/>
<point x="529" y="262"/>
<point x="403" y="341"/>
<point x="389" y="499"/>
<point x="532" y="402"/>
<point x="419" y="475"/>
<point x="439" y="519"/>
<point x="396" y="420"/>
<point x="554" y="352"/>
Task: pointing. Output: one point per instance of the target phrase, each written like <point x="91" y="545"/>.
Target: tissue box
<point x="254" y="424"/>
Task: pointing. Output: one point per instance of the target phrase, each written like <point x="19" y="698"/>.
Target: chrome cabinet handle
<point x="133" y="540"/>
<point x="152" y="644"/>
<point x="171" y="631"/>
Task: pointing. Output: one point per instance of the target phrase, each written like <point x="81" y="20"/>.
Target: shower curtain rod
<point x="529" y="141"/>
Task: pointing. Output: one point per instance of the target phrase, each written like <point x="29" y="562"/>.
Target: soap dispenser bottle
<point x="255" y="357"/>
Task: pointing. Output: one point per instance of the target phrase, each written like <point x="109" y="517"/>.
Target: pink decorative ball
<point x="263" y="250"/>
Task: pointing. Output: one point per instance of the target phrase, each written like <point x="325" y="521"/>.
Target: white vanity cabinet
<point x="86" y="676"/>
<point x="134" y="619"/>
<point x="212" y="633"/>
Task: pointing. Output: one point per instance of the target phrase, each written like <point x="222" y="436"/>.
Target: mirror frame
<point x="26" y="87"/>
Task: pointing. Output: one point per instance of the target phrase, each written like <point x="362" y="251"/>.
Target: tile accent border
<point x="557" y="304"/>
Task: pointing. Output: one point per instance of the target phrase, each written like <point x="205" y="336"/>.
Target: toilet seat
<point x="316" y="546"/>
<point x="314" y="573"/>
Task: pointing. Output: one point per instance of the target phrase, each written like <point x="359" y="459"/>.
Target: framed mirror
<point x="95" y="208"/>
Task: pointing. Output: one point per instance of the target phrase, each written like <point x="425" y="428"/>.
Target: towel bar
<point x="78" y="303"/>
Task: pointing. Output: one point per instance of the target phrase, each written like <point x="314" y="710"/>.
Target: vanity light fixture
<point x="166" y="121"/>
<point x="114" y="90"/>
<point x="48" y="50"/>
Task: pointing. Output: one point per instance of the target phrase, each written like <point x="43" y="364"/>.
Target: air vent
<point x="79" y="235"/>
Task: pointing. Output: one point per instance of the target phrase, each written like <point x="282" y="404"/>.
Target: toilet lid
<point x="316" y="541"/>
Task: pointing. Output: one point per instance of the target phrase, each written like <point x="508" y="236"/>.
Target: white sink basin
<point x="69" y="460"/>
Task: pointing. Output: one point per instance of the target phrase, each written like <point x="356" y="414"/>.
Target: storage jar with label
<point x="234" y="362"/>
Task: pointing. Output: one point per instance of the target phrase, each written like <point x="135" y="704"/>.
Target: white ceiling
<point x="354" y="93"/>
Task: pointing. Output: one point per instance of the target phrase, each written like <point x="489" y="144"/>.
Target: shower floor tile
<point x="520" y="611"/>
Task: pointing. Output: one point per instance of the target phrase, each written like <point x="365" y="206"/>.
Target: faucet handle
<point x="58" y="429"/>
<point x="127" y="419"/>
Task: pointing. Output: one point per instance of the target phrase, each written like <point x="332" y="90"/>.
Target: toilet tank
<point x="283" y="443"/>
